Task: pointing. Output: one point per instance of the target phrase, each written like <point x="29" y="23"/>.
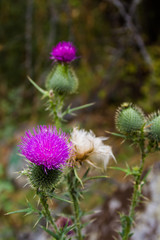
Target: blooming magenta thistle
<point x="46" y="147"/>
<point x="64" y="52"/>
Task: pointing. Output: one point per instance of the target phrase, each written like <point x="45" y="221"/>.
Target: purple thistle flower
<point x="64" y="52"/>
<point x="46" y="147"/>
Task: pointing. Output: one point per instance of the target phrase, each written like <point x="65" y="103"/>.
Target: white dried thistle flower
<point x="89" y="148"/>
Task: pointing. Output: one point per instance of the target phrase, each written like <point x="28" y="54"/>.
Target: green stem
<point x="55" y="107"/>
<point x="46" y="212"/>
<point x="77" y="217"/>
<point x="136" y="195"/>
<point x="137" y="190"/>
<point x="73" y="190"/>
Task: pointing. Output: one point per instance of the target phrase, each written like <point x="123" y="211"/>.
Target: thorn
<point x="25" y="185"/>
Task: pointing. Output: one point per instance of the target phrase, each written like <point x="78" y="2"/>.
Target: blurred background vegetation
<point x="119" y="47"/>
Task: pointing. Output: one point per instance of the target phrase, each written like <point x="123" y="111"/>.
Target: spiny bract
<point x="153" y="126"/>
<point x="43" y="179"/>
<point x="62" y="79"/>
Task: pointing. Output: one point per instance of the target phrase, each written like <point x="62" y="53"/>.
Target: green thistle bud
<point x="129" y="118"/>
<point x="42" y="179"/>
<point x="62" y="79"/>
<point x="153" y="126"/>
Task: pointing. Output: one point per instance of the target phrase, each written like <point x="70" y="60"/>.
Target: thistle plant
<point x="144" y="132"/>
<point x="55" y="157"/>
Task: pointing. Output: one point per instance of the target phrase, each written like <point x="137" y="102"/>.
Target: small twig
<point x="128" y="17"/>
<point x="133" y="7"/>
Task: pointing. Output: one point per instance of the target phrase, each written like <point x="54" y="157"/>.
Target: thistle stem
<point x="73" y="190"/>
<point x="136" y="194"/>
<point x="55" y="107"/>
<point x="46" y="212"/>
<point x="77" y="217"/>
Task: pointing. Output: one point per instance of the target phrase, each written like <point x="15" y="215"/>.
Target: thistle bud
<point x="153" y="126"/>
<point x="62" y="79"/>
<point x="129" y="119"/>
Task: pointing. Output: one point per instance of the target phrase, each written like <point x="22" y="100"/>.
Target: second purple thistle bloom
<point x="46" y="147"/>
<point x="64" y="52"/>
